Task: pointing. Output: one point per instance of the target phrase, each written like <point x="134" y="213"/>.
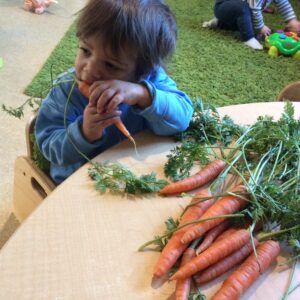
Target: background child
<point x="122" y="47"/>
<point x="246" y="17"/>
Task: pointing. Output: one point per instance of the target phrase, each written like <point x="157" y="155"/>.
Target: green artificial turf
<point x="212" y="64"/>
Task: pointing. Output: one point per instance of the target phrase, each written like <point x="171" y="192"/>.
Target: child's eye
<point x="111" y="66"/>
<point x="85" y="51"/>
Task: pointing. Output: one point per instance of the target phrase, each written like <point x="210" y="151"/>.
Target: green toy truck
<point x="283" y="42"/>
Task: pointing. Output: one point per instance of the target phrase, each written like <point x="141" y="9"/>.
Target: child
<point x="246" y="16"/>
<point x="122" y="46"/>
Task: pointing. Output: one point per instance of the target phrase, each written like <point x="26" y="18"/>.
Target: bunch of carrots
<point x="205" y="245"/>
<point x="264" y="161"/>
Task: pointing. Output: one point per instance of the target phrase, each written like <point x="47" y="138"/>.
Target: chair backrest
<point x="31" y="183"/>
<point x="290" y="92"/>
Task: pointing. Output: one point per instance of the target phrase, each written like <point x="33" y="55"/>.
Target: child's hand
<point x="265" y="31"/>
<point x="94" y="123"/>
<point x="293" y="25"/>
<point x="107" y="95"/>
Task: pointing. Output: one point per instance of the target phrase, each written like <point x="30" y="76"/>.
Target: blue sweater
<point x="170" y="113"/>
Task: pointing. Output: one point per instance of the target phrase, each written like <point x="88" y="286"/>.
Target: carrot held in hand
<point x="214" y="253"/>
<point x="183" y="286"/>
<point x="211" y="235"/>
<point x="120" y="125"/>
<point x="242" y="278"/>
<point x="208" y="173"/>
<point x="225" y="205"/>
<point x="225" y="264"/>
<point x="84" y="88"/>
<point x="174" y="247"/>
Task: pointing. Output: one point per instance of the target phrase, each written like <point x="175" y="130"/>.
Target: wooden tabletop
<point x="80" y="244"/>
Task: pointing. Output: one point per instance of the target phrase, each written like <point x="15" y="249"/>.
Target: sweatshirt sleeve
<point x="171" y="109"/>
<point x="256" y="7"/>
<point x="284" y="7"/>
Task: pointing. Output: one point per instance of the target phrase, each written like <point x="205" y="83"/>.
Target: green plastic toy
<point x="283" y="42"/>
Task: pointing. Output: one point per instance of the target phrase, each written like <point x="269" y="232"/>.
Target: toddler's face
<point x="95" y="62"/>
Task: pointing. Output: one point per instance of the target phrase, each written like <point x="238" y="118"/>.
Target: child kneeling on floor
<point x="122" y="47"/>
<point x="246" y="17"/>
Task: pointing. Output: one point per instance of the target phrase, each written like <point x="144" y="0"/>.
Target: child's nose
<point x="96" y="71"/>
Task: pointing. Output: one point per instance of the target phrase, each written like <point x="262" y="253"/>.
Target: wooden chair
<point x="290" y="92"/>
<point x="31" y="184"/>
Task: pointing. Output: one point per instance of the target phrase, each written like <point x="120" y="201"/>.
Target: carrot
<point x="174" y="247"/>
<point x="214" y="253"/>
<point x="183" y="286"/>
<point x="225" y="264"/>
<point x="84" y="88"/>
<point x="120" y="125"/>
<point x="231" y="230"/>
<point x="225" y="205"/>
<point x="226" y="233"/>
<point x="197" y="208"/>
<point x="199" y="179"/>
<point x="242" y="278"/>
<point x="211" y="235"/>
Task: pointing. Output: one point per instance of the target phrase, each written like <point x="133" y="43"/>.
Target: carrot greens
<point x="117" y="178"/>
<point x="171" y="226"/>
<point x="272" y="156"/>
<point x="18" y="112"/>
<point x="182" y="158"/>
<point x="206" y="126"/>
<point x="205" y="132"/>
<point x="196" y="295"/>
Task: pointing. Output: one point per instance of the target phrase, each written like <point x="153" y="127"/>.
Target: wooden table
<point x="80" y="244"/>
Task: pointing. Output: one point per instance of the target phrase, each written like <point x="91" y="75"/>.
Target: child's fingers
<point x="104" y="101"/>
<point x="95" y="85"/>
<point x="104" y="117"/>
<point x="108" y="122"/>
<point x="114" y="102"/>
<point x="96" y="89"/>
<point x="92" y="114"/>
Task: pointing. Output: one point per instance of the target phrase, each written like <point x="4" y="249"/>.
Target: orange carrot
<point x="214" y="253"/>
<point x="183" y="286"/>
<point x="226" y="233"/>
<point x="199" y="179"/>
<point x="226" y="205"/>
<point x="225" y="264"/>
<point x="242" y="278"/>
<point x="84" y="88"/>
<point x="211" y="235"/>
<point x="120" y="125"/>
<point x="231" y="230"/>
<point x="174" y="247"/>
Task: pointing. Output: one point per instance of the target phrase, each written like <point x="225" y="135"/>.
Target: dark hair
<point x="146" y="27"/>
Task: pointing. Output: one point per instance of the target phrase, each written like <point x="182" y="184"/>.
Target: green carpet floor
<point x="212" y="64"/>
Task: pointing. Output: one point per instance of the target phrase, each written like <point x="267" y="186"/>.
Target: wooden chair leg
<point x="8" y="229"/>
<point x="31" y="186"/>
